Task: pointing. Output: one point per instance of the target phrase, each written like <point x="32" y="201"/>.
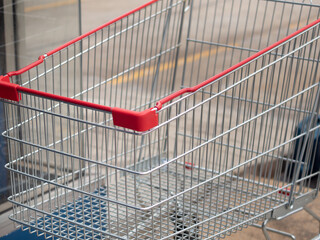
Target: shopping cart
<point x="123" y="133"/>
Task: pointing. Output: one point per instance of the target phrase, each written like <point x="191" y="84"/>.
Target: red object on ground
<point x="189" y="165"/>
<point x="285" y="191"/>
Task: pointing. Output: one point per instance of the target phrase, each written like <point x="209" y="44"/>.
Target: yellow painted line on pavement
<point x="165" y="66"/>
<point x="49" y="5"/>
<point x="296" y="26"/>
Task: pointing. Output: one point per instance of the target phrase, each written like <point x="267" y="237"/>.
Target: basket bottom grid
<point x="200" y="213"/>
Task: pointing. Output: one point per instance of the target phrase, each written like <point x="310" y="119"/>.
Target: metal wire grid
<point x="205" y="174"/>
<point x="238" y="29"/>
<point x="247" y="117"/>
<point x="72" y="220"/>
<point x="112" y="64"/>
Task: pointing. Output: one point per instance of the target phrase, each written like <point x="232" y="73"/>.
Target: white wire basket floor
<point x="213" y="209"/>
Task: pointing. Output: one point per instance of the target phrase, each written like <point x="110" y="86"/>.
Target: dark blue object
<point x="314" y="139"/>
<point x="24" y="235"/>
<point x="84" y="211"/>
<point x="4" y="185"/>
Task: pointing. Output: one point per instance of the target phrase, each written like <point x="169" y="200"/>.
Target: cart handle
<point x="137" y="121"/>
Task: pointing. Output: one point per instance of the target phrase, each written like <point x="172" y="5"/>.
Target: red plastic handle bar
<point x="9" y="90"/>
<point x="138" y="121"/>
<point x="30" y="66"/>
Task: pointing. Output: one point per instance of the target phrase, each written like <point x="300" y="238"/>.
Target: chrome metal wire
<point x="222" y="158"/>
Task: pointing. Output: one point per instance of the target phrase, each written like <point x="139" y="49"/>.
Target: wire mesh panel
<point x="225" y="153"/>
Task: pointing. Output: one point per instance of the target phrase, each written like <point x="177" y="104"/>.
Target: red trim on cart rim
<point x="138" y="121"/>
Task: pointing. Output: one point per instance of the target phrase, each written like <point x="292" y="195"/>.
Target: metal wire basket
<point x="124" y="133"/>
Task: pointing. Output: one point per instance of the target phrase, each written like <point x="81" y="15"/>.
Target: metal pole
<point x="3" y="143"/>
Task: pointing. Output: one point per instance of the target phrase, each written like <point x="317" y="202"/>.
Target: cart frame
<point x="94" y="156"/>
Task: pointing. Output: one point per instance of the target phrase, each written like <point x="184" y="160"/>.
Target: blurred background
<point x="30" y="28"/>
